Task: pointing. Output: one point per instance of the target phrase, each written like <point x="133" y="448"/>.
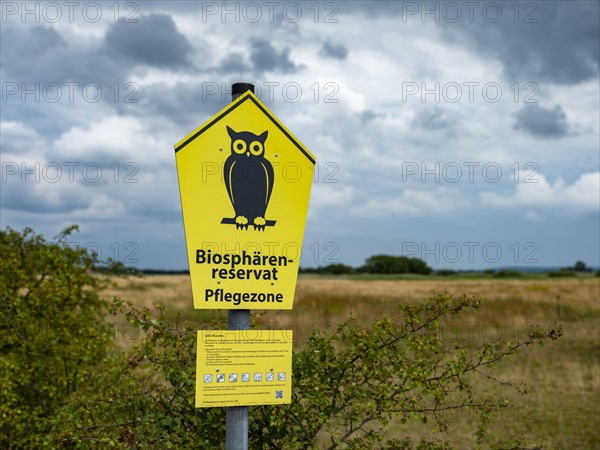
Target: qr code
<point x="278" y="394"/>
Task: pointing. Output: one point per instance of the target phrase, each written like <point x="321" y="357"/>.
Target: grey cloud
<point x="562" y="47"/>
<point x="38" y="198"/>
<point x="41" y="54"/>
<point x="367" y="116"/>
<point x="555" y="41"/>
<point x="233" y="62"/>
<point x="153" y="40"/>
<point x="186" y="105"/>
<point x="433" y="119"/>
<point x="266" y="58"/>
<point x="542" y="122"/>
<point x="43" y="39"/>
<point x="35" y="58"/>
<point x="332" y="50"/>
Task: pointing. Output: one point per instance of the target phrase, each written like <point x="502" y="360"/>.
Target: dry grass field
<point x="562" y="407"/>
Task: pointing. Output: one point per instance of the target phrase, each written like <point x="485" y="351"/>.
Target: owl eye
<point x="256" y="148"/>
<point x="239" y="146"/>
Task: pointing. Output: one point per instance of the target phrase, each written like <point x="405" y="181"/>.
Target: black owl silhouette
<point x="249" y="180"/>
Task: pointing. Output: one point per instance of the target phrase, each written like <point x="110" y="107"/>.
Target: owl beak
<point x="248" y="154"/>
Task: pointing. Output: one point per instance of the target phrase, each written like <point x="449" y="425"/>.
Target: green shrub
<point x="508" y="273"/>
<point x="445" y="272"/>
<point x="53" y="337"/>
<point x="337" y="269"/>
<point x="388" y="264"/>
<point x="562" y="274"/>
<point x="342" y="382"/>
<point x="63" y="384"/>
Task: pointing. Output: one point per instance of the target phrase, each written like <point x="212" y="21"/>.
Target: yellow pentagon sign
<point x="245" y="182"/>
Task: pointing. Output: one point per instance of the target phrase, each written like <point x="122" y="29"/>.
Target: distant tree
<point x="445" y="272"/>
<point x="508" y="273"/>
<point x="386" y="264"/>
<point x="580" y="267"/>
<point x="563" y="273"/>
<point x="416" y="265"/>
<point x="338" y="269"/>
<point x="331" y="269"/>
<point x="308" y="270"/>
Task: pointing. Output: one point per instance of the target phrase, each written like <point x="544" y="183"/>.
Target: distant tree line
<point x="572" y="271"/>
<point x="389" y="264"/>
<point x="377" y="264"/>
<point x="579" y="266"/>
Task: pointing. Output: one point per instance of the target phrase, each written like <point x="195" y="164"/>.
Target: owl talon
<point x="259" y="223"/>
<point x="241" y="223"/>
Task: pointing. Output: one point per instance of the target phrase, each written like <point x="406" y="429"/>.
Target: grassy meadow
<point x="562" y="406"/>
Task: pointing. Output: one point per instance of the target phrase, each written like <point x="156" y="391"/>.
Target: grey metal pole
<point x="236" y="432"/>
<point x="236" y="428"/>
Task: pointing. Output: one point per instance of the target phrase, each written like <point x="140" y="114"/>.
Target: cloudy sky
<point x="464" y="133"/>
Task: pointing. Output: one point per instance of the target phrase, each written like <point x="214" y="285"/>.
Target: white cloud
<point x="533" y="216"/>
<point x="20" y="140"/>
<point x="102" y="208"/>
<point x="583" y="196"/>
<point x="102" y="171"/>
<point x="116" y="137"/>
<point x="412" y="202"/>
<point x="580" y="102"/>
<point x="331" y="195"/>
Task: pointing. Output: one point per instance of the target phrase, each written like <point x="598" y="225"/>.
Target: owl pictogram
<point x="249" y="179"/>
